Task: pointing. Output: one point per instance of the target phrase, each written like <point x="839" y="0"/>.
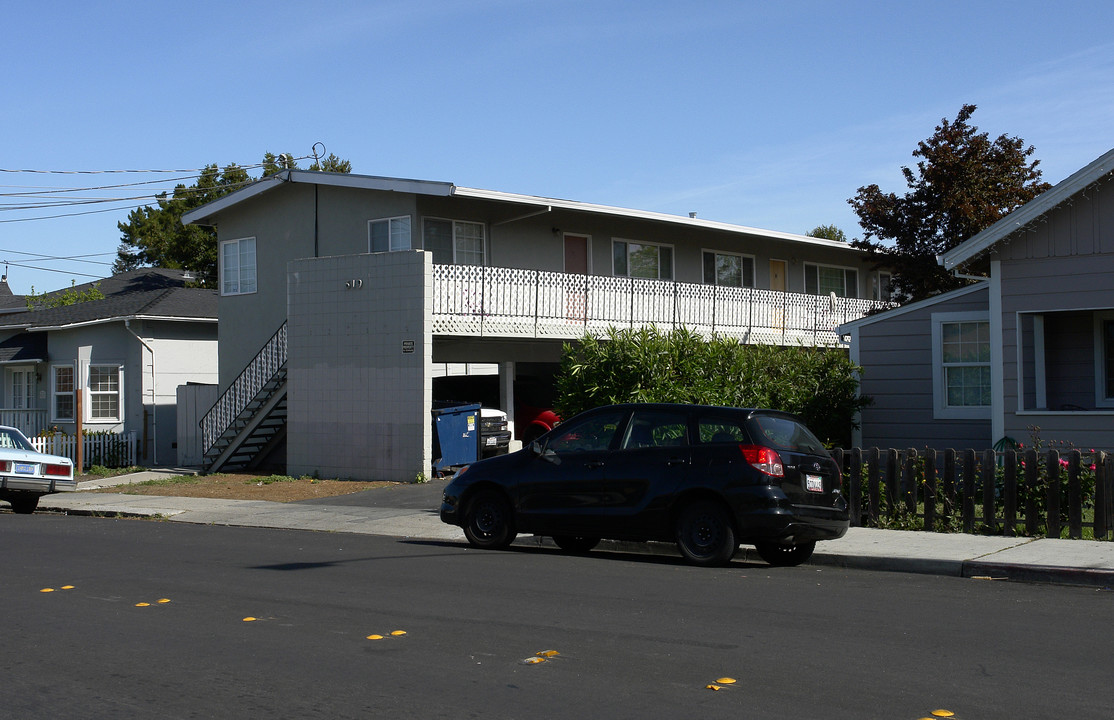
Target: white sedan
<point x="26" y="474"/>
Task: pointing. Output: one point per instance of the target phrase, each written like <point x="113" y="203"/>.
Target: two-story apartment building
<point x="340" y="292"/>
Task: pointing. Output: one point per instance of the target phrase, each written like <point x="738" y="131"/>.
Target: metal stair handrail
<point x="247" y="385"/>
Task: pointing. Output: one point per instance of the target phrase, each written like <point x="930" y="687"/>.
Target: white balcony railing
<point x="28" y="422"/>
<point x="493" y="301"/>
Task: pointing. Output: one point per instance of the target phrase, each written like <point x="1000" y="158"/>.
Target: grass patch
<point x="270" y="480"/>
<point x="101" y="471"/>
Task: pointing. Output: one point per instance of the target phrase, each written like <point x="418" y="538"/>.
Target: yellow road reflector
<point x="374" y="637"/>
<point x="726" y="681"/>
<point x="164" y="600"/>
<point x="943" y="713"/>
<point x="249" y="619"/>
<point x="47" y="590"/>
<point x="712" y="687"/>
<point x="398" y="632"/>
<point x="534" y="660"/>
<point x="548" y="653"/>
<point x="67" y="587"/>
<point x="143" y="604"/>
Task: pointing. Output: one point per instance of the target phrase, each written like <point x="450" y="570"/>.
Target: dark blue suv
<point x="705" y="477"/>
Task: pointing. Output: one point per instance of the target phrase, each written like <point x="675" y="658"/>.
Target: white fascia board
<point x="847" y="327"/>
<point x="645" y="215"/>
<point x="105" y="321"/>
<point x="1028" y="212"/>
<point x="203" y="215"/>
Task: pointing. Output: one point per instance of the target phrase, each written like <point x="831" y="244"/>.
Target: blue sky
<point x="763" y="114"/>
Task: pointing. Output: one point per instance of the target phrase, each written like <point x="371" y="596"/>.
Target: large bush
<point x="646" y="365"/>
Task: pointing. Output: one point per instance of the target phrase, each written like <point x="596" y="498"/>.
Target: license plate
<point x="491" y="441"/>
<point x="814" y="483"/>
<point x="25" y="468"/>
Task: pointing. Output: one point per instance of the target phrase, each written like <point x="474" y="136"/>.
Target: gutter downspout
<point x="154" y="407"/>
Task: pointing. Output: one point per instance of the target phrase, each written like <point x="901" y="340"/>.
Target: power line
<point x="72" y="258"/>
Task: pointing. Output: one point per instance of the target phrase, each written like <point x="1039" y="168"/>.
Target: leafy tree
<point x="828" y="232"/>
<point x="646" y="365"/>
<point x="69" y="296"/>
<point x="155" y="236"/>
<point x="963" y="183"/>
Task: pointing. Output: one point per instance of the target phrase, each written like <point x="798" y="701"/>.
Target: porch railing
<point x="241" y="392"/>
<point x="112" y="450"/>
<point x="477" y="300"/>
<point x="28" y="422"/>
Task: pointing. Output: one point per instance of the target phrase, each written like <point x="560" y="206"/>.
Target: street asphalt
<point x="411" y="511"/>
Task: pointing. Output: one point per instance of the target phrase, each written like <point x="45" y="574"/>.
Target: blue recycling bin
<point x="456" y="435"/>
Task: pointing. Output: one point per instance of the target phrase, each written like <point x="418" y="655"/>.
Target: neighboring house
<point x="343" y="295"/>
<point x="1030" y="347"/>
<point x="125" y="354"/>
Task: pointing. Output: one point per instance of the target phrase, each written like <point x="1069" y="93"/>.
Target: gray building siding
<point x="896" y="354"/>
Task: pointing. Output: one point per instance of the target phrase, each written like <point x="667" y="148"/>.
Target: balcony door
<point x="777" y="275"/>
<point x="576" y="254"/>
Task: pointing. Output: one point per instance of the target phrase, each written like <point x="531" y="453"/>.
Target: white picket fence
<point x="109" y="450"/>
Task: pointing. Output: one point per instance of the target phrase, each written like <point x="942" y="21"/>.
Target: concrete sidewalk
<point x="1074" y="562"/>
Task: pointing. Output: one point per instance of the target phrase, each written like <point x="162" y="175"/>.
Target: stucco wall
<point x="359" y="382"/>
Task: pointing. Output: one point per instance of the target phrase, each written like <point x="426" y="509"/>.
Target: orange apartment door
<point x="777" y="275"/>
<point x="576" y="254"/>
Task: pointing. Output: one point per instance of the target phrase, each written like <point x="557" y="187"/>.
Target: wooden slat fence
<point x="112" y="450"/>
<point x="989" y="492"/>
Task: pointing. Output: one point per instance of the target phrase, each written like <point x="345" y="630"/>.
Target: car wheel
<point x="487" y="521"/>
<point x="24" y="505"/>
<point x="575" y="543"/>
<point x="705" y="535"/>
<point x="785" y="555"/>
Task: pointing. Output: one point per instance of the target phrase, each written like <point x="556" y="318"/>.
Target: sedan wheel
<point x="705" y="535"/>
<point x="24" y="505"/>
<point x="488" y="523"/>
<point x="575" y="543"/>
<point x="785" y="555"/>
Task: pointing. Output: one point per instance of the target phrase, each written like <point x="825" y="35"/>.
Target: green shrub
<point x="647" y="365"/>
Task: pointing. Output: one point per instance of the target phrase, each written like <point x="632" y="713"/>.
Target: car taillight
<point x="59" y="470"/>
<point x="5" y="465"/>
<point x="763" y="459"/>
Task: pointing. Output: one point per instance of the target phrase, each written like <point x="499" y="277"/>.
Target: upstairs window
<point x="454" y="242"/>
<point x="237" y="266"/>
<point x="881" y="289"/>
<point x="389" y="234"/>
<point x="828" y="279"/>
<point x="642" y="260"/>
<point x="728" y="270"/>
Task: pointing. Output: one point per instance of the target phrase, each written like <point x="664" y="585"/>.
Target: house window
<point x="21" y="388"/>
<point x="454" y="242"/>
<point x="962" y="379"/>
<point x="1104" y="359"/>
<point x="390" y="234"/>
<point x="642" y="260"/>
<point x="62" y="392"/>
<point x="828" y="279"/>
<point x="104" y="393"/>
<point x="728" y="270"/>
<point x="237" y="266"/>
<point x="881" y="287"/>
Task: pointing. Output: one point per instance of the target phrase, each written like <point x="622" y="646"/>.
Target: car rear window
<point x="656" y="428"/>
<point x="782" y="433"/>
<point x="718" y="429"/>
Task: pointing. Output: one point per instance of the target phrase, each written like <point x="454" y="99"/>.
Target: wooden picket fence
<point x="989" y="492"/>
<point x="108" y="449"/>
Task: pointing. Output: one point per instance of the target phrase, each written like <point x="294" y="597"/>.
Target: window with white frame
<point x="62" y="392"/>
<point x="728" y="269"/>
<point x="21" y="388"/>
<point x="962" y="380"/>
<point x="642" y="260"/>
<point x="237" y="266"/>
<point x="454" y="242"/>
<point x="1104" y="359"/>
<point x="881" y="288"/>
<point x="828" y="279"/>
<point x="389" y="234"/>
<point x="104" y="393"/>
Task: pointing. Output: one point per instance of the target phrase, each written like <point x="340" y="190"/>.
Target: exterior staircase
<point x="249" y="418"/>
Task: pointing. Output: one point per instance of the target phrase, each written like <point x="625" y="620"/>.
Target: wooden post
<point x="1075" y="497"/>
<point x="1101" y="496"/>
<point x="79" y="439"/>
<point x="1052" y="468"/>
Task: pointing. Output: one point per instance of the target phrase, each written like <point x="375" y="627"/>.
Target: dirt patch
<point x="247" y="487"/>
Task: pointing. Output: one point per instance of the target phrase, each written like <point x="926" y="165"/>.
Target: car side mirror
<point x="544" y="453"/>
